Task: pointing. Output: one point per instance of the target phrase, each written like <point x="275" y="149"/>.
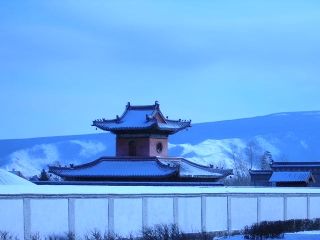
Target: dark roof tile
<point x="291" y="177"/>
<point x="148" y="117"/>
<point x="135" y="167"/>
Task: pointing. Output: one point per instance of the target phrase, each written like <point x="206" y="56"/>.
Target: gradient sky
<point x="66" y="63"/>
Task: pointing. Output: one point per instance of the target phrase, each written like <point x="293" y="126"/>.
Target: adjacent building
<point x="260" y="177"/>
<point x="142" y="134"/>
<point x="288" y="174"/>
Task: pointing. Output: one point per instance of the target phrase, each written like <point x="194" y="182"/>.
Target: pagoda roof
<point x="142" y="118"/>
<point x="138" y="167"/>
<point x="114" y="167"/>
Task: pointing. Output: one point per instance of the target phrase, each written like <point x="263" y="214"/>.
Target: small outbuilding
<point x="312" y="167"/>
<point x="260" y="177"/>
<point x="290" y="174"/>
<point x="292" y="179"/>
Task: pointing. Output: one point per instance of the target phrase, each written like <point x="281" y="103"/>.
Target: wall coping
<point x="141" y="191"/>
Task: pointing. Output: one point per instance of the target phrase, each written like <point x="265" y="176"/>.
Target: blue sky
<point x="65" y="63"/>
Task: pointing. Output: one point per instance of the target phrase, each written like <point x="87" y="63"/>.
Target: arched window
<point x="159" y="147"/>
<point x="132" y="148"/>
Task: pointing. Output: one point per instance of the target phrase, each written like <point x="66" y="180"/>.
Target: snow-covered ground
<point x="310" y="235"/>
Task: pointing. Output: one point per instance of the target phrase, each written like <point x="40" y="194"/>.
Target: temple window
<point x="159" y="147"/>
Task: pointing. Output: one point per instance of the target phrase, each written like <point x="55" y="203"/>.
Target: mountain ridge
<point x="289" y="136"/>
<point x="227" y="120"/>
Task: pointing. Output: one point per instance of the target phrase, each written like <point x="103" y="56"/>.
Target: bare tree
<point x="253" y="153"/>
<point x="266" y="160"/>
<point x="241" y="176"/>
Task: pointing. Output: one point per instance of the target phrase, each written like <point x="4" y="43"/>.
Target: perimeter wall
<point x="25" y="215"/>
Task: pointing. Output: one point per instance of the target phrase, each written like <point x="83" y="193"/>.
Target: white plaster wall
<point x="90" y="215"/>
<point x="159" y="211"/>
<point x="243" y="212"/>
<point x="216" y="214"/>
<point x="296" y="208"/>
<point x="271" y="209"/>
<point x="127" y="216"/>
<point x="11" y="217"/>
<point x="314" y="207"/>
<point x="49" y="216"/>
<point x="189" y="214"/>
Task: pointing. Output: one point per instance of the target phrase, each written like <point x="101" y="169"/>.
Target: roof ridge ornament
<point x="128" y="105"/>
<point x="157" y="105"/>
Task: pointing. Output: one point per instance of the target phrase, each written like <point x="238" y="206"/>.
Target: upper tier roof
<point x="142" y="118"/>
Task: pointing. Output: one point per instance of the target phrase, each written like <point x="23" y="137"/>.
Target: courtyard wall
<point x="46" y="210"/>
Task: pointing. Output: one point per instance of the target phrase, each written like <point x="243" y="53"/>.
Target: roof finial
<point x="156" y="103"/>
<point x="128" y="104"/>
<point x="117" y="118"/>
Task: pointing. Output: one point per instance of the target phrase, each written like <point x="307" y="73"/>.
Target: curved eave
<point x="153" y="127"/>
<point x="172" y="174"/>
<point x="160" y="170"/>
<point x="223" y="172"/>
<point x="218" y="176"/>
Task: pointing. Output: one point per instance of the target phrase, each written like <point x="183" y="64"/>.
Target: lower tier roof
<point x="139" y="167"/>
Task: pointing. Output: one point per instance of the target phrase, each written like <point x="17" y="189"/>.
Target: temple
<point x="142" y="153"/>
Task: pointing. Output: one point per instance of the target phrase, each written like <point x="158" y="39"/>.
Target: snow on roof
<point x="117" y="167"/>
<point x="187" y="170"/>
<point x="291" y="177"/>
<point x="190" y="169"/>
<point x="132" y="118"/>
<point x="7" y="178"/>
<point x="140" y="118"/>
<point x="113" y="167"/>
<point x="260" y="172"/>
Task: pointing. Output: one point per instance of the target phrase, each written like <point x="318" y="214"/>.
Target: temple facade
<point x="142" y="134"/>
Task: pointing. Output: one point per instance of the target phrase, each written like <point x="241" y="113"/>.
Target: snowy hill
<point x="288" y="136"/>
